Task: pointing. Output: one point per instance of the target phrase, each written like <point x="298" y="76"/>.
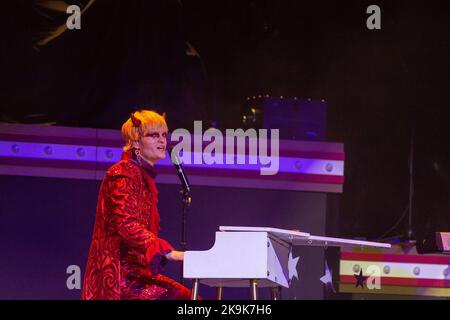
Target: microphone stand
<point x="186" y="200"/>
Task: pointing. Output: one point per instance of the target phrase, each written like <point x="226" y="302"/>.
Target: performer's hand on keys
<point x="175" y="255"/>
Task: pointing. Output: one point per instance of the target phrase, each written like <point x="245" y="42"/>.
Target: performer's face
<point x="153" y="144"/>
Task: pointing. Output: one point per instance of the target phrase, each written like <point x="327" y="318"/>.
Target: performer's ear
<point x="135" y="144"/>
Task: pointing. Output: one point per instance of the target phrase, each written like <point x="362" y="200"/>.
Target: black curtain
<point x="127" y="55"/>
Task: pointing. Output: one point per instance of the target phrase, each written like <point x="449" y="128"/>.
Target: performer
<point x="126" y="255"/>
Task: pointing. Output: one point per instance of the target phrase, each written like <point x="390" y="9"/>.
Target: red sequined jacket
<point x="125" y="249"/>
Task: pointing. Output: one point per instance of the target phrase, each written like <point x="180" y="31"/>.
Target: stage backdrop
<point x="49" y="182"/>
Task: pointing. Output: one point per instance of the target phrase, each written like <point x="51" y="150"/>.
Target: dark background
<point x="384" y="88"/>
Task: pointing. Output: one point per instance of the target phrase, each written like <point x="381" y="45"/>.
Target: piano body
<point x="254" y="257"/>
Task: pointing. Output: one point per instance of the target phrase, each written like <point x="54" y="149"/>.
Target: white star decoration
<point x="326" y="279"/>
<point x="447" y="273"/>
<point x="292" y="266"/>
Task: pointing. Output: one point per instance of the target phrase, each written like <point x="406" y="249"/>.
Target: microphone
<point x="175" y="158"/>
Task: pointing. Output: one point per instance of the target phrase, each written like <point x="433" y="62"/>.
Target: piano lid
<point x="306" y="239"/>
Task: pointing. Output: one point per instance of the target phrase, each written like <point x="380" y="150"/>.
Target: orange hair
<point x="139" y="122"/>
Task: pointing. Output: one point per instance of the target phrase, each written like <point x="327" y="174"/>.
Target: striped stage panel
<point x="399" y="270"/>
<point x="84" y="153"/>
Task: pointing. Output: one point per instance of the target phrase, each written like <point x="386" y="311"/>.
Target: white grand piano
<point x="254" y="257"/>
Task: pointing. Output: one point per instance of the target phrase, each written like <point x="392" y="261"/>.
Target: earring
<point x="137" y="152"/>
